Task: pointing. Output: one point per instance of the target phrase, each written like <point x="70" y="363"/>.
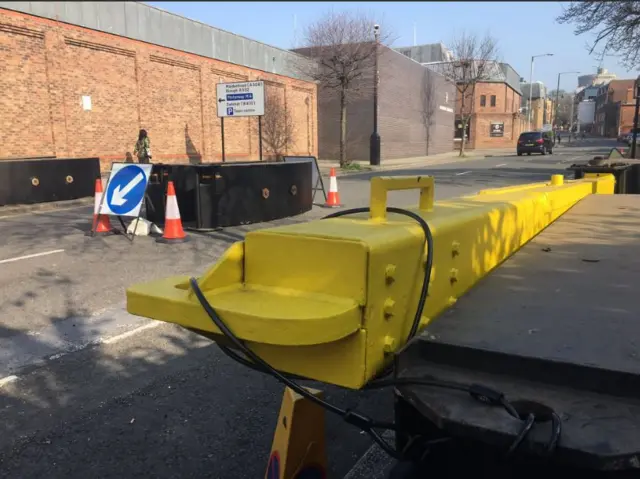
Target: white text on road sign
<point x="240" y="99"/>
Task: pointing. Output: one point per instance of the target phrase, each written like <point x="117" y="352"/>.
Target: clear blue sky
<point x="522" y="29"/>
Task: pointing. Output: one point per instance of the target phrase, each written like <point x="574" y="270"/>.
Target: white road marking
<point x="73" y="348"/>
<point x="68" y="336"/>
<point x="463" y="173"/>
<point x="29" y="256"/>
<point x="133" y="332"/>
<point x="8" y="380"/>
<point x="501" y="164"/>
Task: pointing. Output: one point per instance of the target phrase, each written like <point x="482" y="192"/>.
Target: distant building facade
<point x="541" y="105"/>
<point x="415" y="112"/>
<point x="427" y="53"/>
<point x="495" y="121"/>
<point x="614" y="108"/>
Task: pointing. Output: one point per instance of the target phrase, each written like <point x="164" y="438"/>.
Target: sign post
<point x="238" y="100"/>
<point x="125" y="191"/>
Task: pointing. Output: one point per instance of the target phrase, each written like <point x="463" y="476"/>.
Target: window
<point x="483" y="100"/>
<point x="493" y="100"/>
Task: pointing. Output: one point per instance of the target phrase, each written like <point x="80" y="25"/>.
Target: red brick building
<point x="495" y="121"/>
<point x="615" y="108"/>
<point x="72" y="91"/>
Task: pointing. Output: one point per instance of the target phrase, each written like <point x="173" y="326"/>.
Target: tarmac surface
<point x="87" y="390"/>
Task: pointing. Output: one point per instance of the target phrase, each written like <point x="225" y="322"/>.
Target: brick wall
<point x="621" y="91"/>
<point x="401" y="104"/>
<point x="627" y="113"/>
<point x="47" y="67"/>
<point x="505" y="111"/>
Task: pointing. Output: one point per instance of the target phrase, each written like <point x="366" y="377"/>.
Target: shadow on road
<point x="167" y="404"/>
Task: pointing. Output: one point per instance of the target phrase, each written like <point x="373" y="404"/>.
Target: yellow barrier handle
<point x="380" y="185"/>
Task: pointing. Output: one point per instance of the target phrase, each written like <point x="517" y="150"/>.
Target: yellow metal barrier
<point x="332" y="299"/>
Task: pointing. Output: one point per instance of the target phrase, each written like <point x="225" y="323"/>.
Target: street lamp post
<point x="531" y="85"/>
<point x="374" y="140"/>
<point x="555" y="119"/>
<point x="635" y="119"/>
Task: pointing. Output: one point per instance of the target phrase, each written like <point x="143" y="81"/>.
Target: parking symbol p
<point x="230" y="110"/>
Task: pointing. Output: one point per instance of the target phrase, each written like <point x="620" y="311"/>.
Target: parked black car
<point x="535" y="142"/>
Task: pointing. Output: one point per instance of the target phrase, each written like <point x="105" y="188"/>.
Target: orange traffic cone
<point x="333" y="198"/>
<point x="173" y="232"/>
<point x="101" y="223"/>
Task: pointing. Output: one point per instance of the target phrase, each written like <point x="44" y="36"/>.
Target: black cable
<point x="526" y="428"/>
<point x="428" y="239"/>
<point x="363" y="422"/>
<point x="495" y="397"/>
<point x="247" y="363"/>
<point x="479" y="392"/>
<point x="255" y="362"/>
<point x="556" y="432"/>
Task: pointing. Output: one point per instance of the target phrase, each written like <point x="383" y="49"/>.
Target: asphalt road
<point x="87" y="390"/>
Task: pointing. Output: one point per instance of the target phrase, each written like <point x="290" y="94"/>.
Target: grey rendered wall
<point x="149" y="24"/>
<point x="402" y="124"/>
<point x="400" y="113"/>
<point x="359" y="125"/>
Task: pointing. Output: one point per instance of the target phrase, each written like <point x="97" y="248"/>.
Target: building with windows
<point x="494" y="108"/>
<point x="541" y="105"/>
<point x="614" y="108"/>
<point x="602" y="76"/>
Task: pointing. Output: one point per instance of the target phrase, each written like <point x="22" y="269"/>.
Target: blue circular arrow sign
<point x="126" y="189"/>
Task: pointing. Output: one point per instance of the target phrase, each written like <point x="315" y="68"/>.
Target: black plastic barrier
<point x="47" y="179"/>
<point x="217" y="195"/>
<point x="626" y="173"/>
<point x="624" y="183"/>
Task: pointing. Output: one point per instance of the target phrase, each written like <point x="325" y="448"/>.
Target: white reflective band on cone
<point x="96" y="203"/>
<point x="172" y="212"/>
<point x="333" y="184"/>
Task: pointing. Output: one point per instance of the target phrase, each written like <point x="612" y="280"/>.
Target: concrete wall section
<point x="402" y="99"/>
<point x="359" y="124"/>
<point x="416" y="113"/>
<point x="48" y="67"/>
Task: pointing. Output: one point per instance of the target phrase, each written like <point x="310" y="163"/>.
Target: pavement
<point x="87" y="390"/>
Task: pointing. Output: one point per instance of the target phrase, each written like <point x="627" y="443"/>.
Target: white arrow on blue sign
<point x="125" y="189"/>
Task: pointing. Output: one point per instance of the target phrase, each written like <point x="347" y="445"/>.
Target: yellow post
<point x="380" y="185"/>
<point x="298" y="449"/>
<point x="557" y="180"/>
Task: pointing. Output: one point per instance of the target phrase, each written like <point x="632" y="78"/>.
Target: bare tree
<point x="616" y="26"/>
<point x="344" y="48"/>
<point x="428" y="104"/>
<point x="278" y="129"/>
<point x="474" y="61"/>
<point x="563" y="107"/>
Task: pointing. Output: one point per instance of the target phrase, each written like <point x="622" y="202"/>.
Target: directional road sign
<point x="125" y="189"/>
<point x="240" y="99"/>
